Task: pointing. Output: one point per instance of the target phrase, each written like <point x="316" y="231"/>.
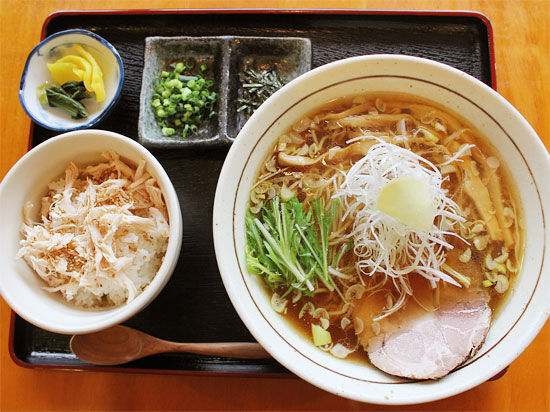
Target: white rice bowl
<point x="27" y="181"/>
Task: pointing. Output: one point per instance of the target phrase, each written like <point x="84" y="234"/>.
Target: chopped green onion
<point x="179" y="67"/>
<point x="168" y="131"/>
<point x="308" y="307"/>
<point x="181" y="101"/>
<point x="278" y="303"/>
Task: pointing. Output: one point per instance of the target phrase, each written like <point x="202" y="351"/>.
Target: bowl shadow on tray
<point x="225" y="57"/>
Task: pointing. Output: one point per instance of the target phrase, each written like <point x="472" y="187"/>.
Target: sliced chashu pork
<point x="420" y="344"/>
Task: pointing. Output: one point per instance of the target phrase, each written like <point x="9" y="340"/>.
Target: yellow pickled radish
<point x="80" y="68"/>
<point x="97" y="84"/>
<point x="82" y="65"/>
<point x="408" y="200"/>
<point x="63" y="72"/>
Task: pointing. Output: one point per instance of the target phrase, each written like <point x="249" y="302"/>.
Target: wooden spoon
<point x="121" y="344"/>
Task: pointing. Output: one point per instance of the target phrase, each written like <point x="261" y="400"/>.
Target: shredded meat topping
<point x="103" y="233"/>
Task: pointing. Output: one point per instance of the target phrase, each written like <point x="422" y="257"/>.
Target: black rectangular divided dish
<point x="194" y="306"/>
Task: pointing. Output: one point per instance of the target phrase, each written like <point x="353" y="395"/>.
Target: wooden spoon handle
<point x="242" y="350"/>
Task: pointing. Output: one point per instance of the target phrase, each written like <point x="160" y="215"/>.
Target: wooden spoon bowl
<point x="121" y="344"/>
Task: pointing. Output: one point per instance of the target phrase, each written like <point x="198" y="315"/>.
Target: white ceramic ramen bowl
<point x="27" y="181"/>
<point x="36" y="73"/>
<point x="528" y="305"/>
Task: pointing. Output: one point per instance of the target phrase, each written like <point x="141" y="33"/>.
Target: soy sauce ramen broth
<point x="310" y="161"/>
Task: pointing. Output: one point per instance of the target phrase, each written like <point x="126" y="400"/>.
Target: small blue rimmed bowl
<point x="36" y="73"/>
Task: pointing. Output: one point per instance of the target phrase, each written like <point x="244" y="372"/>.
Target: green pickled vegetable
<point x="76" y="90"/>
<point x="41" y="94"/>
<point x="70" y="105"/>
<point x="66" y="97"/>
<point x="182" y="101"/>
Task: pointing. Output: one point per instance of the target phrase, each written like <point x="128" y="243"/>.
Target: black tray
<point x="194" y="306"/>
